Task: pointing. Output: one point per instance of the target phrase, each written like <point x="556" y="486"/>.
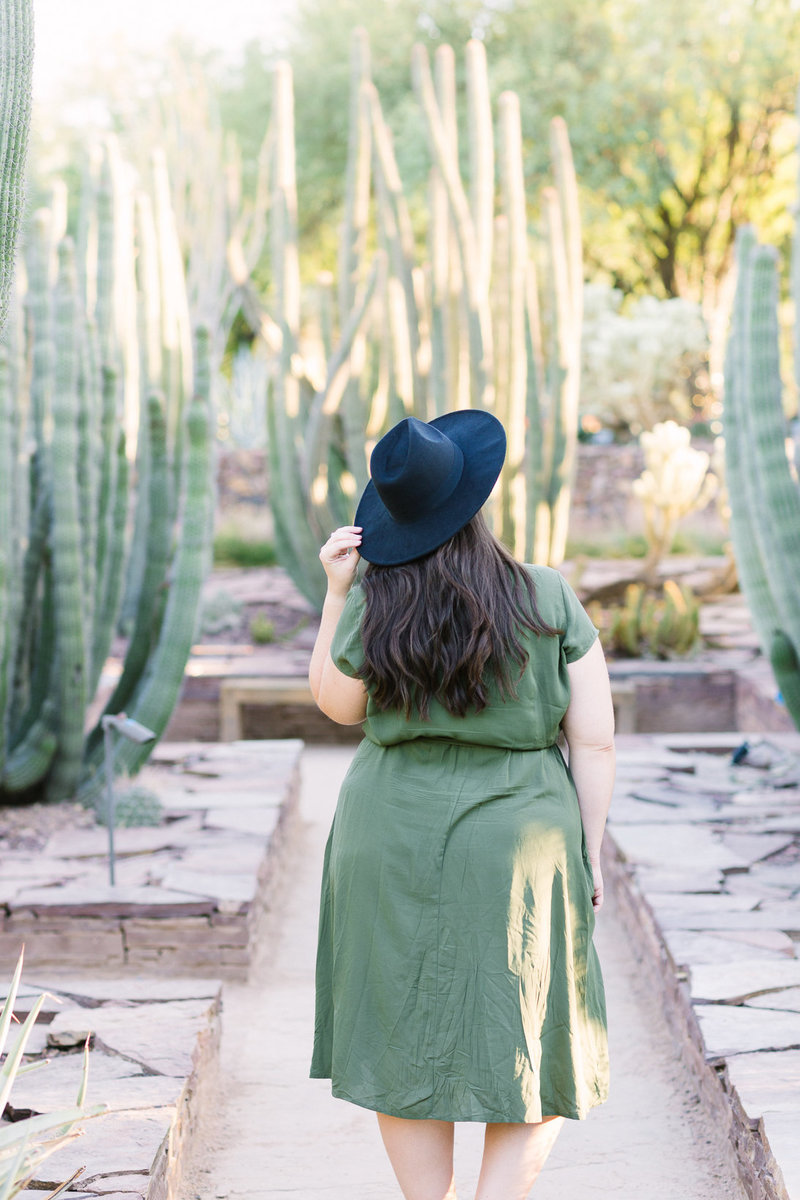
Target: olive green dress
<point x="456" y="975"/>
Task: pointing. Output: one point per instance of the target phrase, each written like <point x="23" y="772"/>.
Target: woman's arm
<point x="340" y="697"/>
<point x="589" y="729"/>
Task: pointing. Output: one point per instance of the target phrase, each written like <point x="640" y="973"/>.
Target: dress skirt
<point x="456" y="974"/>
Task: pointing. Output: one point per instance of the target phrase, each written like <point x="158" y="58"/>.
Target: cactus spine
<point x="461" y="327"/>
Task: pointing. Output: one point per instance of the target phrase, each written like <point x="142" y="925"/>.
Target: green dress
<point x="456" y="975"/>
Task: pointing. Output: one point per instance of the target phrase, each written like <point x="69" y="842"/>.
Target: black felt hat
<point x="428" y="481"/>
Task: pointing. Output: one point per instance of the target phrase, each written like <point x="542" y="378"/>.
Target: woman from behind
<point x="456" y="975"/>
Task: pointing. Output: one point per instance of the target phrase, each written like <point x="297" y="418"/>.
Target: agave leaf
<point x="24" y="1173"/>
<point x="9" y="1068"/>
<point x="8" y="1007"/>
<point x="84" y="1077"/>
<point x="26" y="1068"/>
<point x="7" y="1182"/>
<point x="46" y="1122"/>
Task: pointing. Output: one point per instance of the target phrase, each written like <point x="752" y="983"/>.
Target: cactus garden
<point x="230" y="262"/>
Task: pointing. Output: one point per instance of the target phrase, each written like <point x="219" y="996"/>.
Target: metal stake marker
<point x="134" y="732"/>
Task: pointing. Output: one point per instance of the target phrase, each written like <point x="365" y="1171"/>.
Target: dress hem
<point x="490" y="1117"/>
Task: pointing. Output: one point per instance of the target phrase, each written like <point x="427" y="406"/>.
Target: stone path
<point x="276" y="1133"/>
<point x="711" y="851"/>
<point x="152" y="1064"/>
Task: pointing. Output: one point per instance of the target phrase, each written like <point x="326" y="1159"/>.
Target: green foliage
<point x="679" y="117"/>
<point x="262" y="630"/>
<point x="27" y="1143"/>
<point x="648" y="625"/>
<point x="232" y="549"/>
<point x="640" y="367"/>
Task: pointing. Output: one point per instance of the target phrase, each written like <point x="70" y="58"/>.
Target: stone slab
<point x="735" y="982"/>
<point x="781" y="1132"/>
<point x="239" y="887"/>
<point x="730" y="1030"/>
<point x="117" y="1082"/>
<point x="106" y="901"/>
<point x="657" y="845"/>
<point x="258" y="821"/>
<point x="689" y="949"/>
<point x="141" y="1036"/>
<point x="131" y="989"/>
<point x="786" y="998"/>
<point x="115" y="1143"/>
<point x="773" y="941"/>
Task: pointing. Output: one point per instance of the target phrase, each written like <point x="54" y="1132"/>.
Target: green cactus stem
<point x="786" y="667"/>
<point x="155" y="697"/>
<point x="16" y="70"/>
<point x="777" y="495"/>
<point x="66" y="537"/>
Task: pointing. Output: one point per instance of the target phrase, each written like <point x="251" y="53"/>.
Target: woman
<point x="456" y="976"/>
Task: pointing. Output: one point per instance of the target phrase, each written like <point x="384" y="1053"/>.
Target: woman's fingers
<point x="339" y="557"/>
<point x="341" y="542"/>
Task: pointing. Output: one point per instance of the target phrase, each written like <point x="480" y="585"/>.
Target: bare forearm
<point x="592" y="769"/>
<point x="331" y="611"/>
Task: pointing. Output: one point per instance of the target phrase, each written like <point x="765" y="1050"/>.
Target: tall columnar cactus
<point x="16" y="67"/>
<point x="86" y="511"/>
<point x="764" y="493"/>
<point x="478" y="321"/>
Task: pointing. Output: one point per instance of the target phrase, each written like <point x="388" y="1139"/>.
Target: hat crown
<point x="415" y="468"/>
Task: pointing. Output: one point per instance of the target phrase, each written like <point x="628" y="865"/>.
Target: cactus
<point x="764" y="494"/>
<point x="665" y="626"/>
<point x="16" y="67"/>
<point x="70" y="555"/>
<point x="466" y="326"/>
<point x="675" y="481"/>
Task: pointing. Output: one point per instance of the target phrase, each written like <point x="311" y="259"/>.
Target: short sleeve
<point x="579" y="631"/>
<point x="347" y="651"/>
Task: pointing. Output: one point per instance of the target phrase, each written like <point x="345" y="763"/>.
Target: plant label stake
<point x="134" y="732"/>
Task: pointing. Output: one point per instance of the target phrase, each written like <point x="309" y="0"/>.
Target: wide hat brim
<point x="388" y="542"/>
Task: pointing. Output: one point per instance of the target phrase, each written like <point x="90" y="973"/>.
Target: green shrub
<point x="233" y="550"/>
<point x="262" y="630"/>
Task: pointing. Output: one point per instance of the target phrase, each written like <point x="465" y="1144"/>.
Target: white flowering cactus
<point x="675" y="481"/>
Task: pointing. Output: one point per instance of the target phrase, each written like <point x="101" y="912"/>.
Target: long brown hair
<point x="447" y="625"/>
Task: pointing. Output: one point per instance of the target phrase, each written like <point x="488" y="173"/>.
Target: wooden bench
<point x="234" y="691"/>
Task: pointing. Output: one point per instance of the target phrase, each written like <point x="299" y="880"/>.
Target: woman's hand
<point x="340" y="558"/>
<point x="597" y="890"/>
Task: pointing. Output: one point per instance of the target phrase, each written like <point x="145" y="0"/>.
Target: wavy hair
<point x="448" y="625"/>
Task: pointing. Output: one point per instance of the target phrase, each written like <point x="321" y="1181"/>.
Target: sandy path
<point x="279" y="1134"/>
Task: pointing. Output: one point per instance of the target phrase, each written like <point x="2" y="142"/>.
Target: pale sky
<point x="71" y="33"/>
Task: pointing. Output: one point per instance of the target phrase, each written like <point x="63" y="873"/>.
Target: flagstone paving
<point x="153" y="1062"/>
<point x="188" y="893"/>
<point x="707" y="855"/>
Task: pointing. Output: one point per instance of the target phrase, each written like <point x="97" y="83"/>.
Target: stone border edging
<point x="757" y="1166"/>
